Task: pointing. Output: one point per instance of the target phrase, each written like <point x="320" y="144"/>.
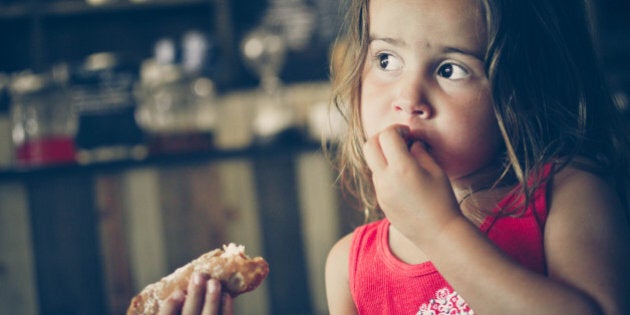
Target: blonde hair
<point x="550" y="98"/>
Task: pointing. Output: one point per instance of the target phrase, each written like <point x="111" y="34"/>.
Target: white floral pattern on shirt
<point x="446" y="302"/>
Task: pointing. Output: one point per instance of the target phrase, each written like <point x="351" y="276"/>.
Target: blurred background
<point x="136" y="135"/>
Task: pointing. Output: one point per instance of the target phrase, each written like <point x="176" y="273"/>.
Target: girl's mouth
<point x="410" y="140"/>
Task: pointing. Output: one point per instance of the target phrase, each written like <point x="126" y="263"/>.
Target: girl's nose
<point x="412" y="101"/>
<point x="420" y="110"/>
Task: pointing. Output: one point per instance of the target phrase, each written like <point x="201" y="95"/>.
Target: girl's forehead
<point x="429" y="22"/>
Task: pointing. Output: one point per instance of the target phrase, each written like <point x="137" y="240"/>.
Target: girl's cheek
<point x="371" y="114"/>
<point x="368" y="125"/>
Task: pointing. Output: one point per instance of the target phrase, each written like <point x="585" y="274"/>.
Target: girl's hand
<point x="411" y="188"/>
<point x="204" y="297"/>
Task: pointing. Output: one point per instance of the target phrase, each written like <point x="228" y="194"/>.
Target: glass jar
<point x="176" y="110"/>
<point x="43" y="120"/>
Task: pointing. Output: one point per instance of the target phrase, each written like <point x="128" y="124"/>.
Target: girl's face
<point x="425" y="70"/>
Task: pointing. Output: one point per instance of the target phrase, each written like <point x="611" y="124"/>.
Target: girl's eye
<point x="388" y="62"/>
<point x="452" y="71"/>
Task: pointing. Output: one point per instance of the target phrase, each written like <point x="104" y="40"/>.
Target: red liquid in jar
<point x="51" y="150"/>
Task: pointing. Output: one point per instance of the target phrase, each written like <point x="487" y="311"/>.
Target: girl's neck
<point x="479" y="192"/>
<point x="482" y="204"/>
<point x="482" y="179"/>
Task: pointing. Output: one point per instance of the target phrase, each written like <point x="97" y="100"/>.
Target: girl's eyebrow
<point x="463" y="51"/>
<point x="445" y="49"/>
<point x="389" y="40"/>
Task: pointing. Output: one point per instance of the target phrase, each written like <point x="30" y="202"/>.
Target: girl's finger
<point x="373" y="154"/>
<point x="196" y="292"/>
<point x="393" y="144"/>
<point x="426" y="161"/>
<point x="212" y="303"/>
<point x="173" y="304"/>
<point x="227" y="307"/>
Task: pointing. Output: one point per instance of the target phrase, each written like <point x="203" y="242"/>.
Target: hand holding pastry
<point x="204" y="296"/>
<point x="236" y="273"/>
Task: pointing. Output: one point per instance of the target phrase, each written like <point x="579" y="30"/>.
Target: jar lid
<point x="28" y="82"/>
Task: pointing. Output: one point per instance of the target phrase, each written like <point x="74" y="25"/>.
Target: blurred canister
<point x="43" y="120"/>
<point x="101" y="89"/>
<point x="176" y="110"/>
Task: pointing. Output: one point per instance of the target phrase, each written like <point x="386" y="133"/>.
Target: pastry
<point x="237" y="272"/>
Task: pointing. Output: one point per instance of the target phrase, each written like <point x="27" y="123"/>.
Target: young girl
<point x="481" y="132"/>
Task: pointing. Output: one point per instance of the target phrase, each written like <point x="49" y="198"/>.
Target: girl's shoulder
<point x="572" y="184"/>
<point x="578" y="192"/>
<point x="586" y="233"/>
<point x="339" y="255"/>
<point x="337" y="277"/>
<point x="341" y="250"/>
<point x="338" y="259"/>
<point x="584" y="210"/>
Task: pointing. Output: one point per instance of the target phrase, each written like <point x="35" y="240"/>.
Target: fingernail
<point x="198" y="278"/>
<point x="213" y="285"/>
<point x="178" y="295"/>
<point x="402" y="131"/>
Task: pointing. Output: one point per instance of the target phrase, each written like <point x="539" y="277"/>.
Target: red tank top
<point x="382" y="284"/>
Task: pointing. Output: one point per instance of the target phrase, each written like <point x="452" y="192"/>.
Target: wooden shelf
<point x="165" y="159"/>
<point x="74" y="8"/>
<point x="69" y="8"/>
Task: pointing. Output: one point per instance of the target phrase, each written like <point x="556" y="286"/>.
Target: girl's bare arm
<point x="584" y="239"/>
<point x="585" y="255"/>
<point x="337" y="285"/>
